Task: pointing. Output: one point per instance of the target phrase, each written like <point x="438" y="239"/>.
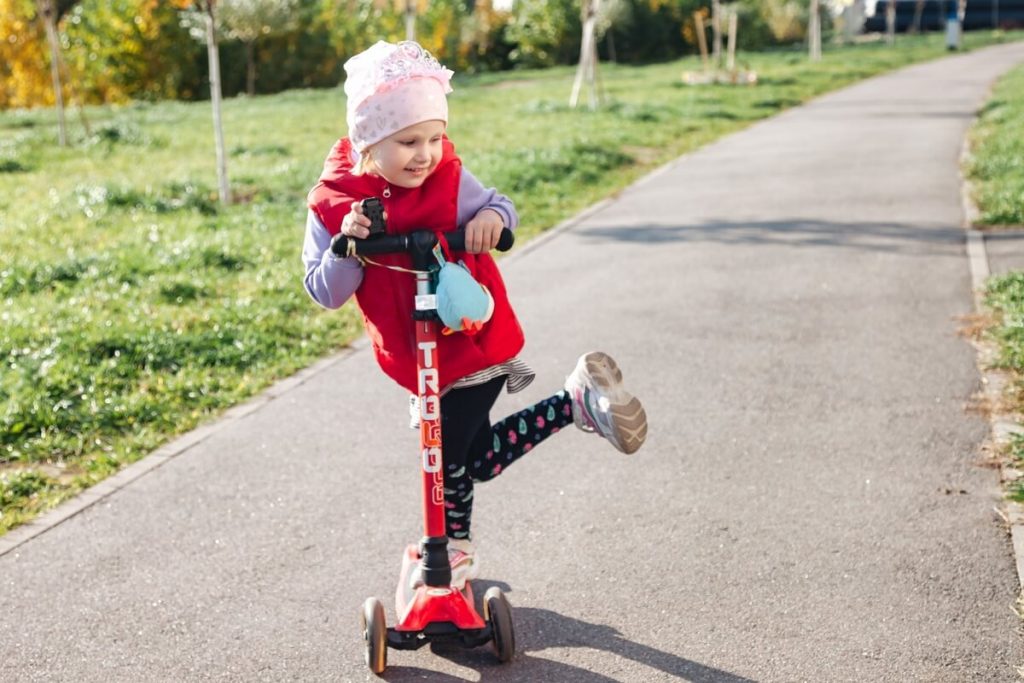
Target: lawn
<point x="995" y="169"/>
<point x="996" y="165"/>
<point x="135" y="308"/>
<point x="1005" y="297"/>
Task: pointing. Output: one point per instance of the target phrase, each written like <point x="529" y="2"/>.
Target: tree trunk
<point x="586" y="71"/>
<point x="49" y="14"/>
<point x="702" y="40"/>
<point x="730" y="43"/>
<point x="716" y="34"/>
<point x="814" y="32"/>
<point x="224" y="192"/>
<point x="410" y="20"/>
<point x="890" y="22"/>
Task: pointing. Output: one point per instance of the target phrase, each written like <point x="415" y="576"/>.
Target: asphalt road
<point x="809" y="506"/>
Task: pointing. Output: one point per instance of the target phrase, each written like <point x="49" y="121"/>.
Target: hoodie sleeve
<point x="330" y="281"/>
<point x="474" y="197"/>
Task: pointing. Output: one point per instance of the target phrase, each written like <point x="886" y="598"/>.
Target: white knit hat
<point x="390" y="87"/>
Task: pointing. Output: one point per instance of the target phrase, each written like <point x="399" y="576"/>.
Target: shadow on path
<point x="888" y="237"/>
<point x="541" y="629"/>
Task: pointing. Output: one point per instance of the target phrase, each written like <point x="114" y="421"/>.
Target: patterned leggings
<point x="475" y="450"/>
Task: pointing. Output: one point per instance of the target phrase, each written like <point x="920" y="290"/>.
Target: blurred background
<point x="120" y="50"/>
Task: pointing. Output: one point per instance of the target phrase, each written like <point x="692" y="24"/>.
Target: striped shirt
<point x="519" y="376"/>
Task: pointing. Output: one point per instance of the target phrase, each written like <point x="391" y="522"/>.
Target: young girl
<point x="397" y="150"/>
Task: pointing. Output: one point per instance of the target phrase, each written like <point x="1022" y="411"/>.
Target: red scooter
<point x="435" y="610"/>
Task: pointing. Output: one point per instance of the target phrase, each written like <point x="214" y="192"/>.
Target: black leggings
<point x="474" y="450"/>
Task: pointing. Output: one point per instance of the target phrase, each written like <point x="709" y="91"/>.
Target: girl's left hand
<point x="483" y="231"/>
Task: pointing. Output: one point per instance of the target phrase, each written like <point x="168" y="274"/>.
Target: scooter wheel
<point x="498" y="614"/>
<point x="375" y="633"/>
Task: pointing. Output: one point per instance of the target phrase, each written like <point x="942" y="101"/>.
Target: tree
<point x="784" y="19"/>
<point x="814" y="31"/>
<point x="586" y="70"/>
<point x="23" y="78"/>
<point x="207" y="11"/>
<point x="120" y="50"/>
<point x="354" y="25"/>
<point x="50" y="13"/>
<point x="545" y="32"/>
<point x="249" y="20"/>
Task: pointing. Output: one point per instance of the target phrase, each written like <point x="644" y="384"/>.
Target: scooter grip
<point x="383" y="244"/>
<point x="457" y="240"/>
<point x="389" y="244"/>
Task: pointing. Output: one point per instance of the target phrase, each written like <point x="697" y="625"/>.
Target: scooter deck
<point x="441" y="612"/>
<point x="404" y="593"/>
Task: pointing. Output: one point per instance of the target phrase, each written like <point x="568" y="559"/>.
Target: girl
<point x="397" y="150"/>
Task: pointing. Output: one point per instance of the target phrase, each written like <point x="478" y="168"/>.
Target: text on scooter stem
<point x="430" y="420"/>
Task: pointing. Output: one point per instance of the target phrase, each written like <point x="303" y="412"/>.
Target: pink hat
<point x="390" y="87"/>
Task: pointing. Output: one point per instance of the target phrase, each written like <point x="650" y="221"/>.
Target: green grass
<point x="996" y="172"/>
<point x="1005" y="297"/>
<point x="996" y="167"/>
<point x="133" y="307"/>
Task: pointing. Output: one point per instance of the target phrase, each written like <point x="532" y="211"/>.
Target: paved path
<point x="810" y="506"/>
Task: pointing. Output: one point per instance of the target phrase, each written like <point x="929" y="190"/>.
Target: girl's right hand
<point x="356" y="223"/>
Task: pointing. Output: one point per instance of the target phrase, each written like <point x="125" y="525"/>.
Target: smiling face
<point x="406" y="158"/>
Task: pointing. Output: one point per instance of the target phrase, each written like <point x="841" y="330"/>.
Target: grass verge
<point x="996" y="173"/>
<point x="134" y="307"/>
<point x="1005" y="297"/>
<point x="996" y="166"/>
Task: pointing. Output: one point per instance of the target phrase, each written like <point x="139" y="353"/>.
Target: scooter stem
<point x="434" y="546"/>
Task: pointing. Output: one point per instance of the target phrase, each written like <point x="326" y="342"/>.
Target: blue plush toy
<point x="463" y="304"/>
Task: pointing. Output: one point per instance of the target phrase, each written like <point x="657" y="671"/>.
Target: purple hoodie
<point x="330" y="281"/>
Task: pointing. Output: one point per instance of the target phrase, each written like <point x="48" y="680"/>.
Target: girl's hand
<point x="356" y="223"/>
<point x="483" y="231"/>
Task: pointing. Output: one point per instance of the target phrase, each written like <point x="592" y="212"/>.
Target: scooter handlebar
<point x="457" y="240"/>
<point x="422" y="239"/>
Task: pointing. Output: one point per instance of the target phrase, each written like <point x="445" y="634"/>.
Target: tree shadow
<point x="541" y="629"/>
<point x="909" y="238"/>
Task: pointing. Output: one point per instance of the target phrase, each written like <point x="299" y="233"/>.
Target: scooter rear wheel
<point x="375" y="633"/>
<point x="498" y="614"/>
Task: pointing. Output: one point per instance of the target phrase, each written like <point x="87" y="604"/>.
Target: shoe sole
<point x="629" y="420"/>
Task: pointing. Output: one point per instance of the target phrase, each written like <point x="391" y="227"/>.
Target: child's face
<point x="406" y="158"/>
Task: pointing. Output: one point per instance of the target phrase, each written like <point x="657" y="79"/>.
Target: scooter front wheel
<point x="375" y="633"/>
<point x="498" y="615"/>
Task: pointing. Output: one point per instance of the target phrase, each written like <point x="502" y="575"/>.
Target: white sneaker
<point x="464" y="563"/>
<point x="600" y="403"/>
<point x="465" y="566"/>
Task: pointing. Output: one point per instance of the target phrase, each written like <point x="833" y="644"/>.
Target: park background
<point x="121" y="50"/>
<point x="136" y="303"/>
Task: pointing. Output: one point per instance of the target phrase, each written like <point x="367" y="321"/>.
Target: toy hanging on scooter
<point x="433" y="610"/>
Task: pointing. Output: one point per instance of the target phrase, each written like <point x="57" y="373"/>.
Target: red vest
<point x="386" y="297"/>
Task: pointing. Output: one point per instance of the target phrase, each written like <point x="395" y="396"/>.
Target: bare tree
<point x="48" y="13"/>
<point x="587" y="68"/>
<point x="410" y="19"/>
<point x="890" y="22"/>
<point x="205" y="11"/>
<point x="814" y="31"/>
